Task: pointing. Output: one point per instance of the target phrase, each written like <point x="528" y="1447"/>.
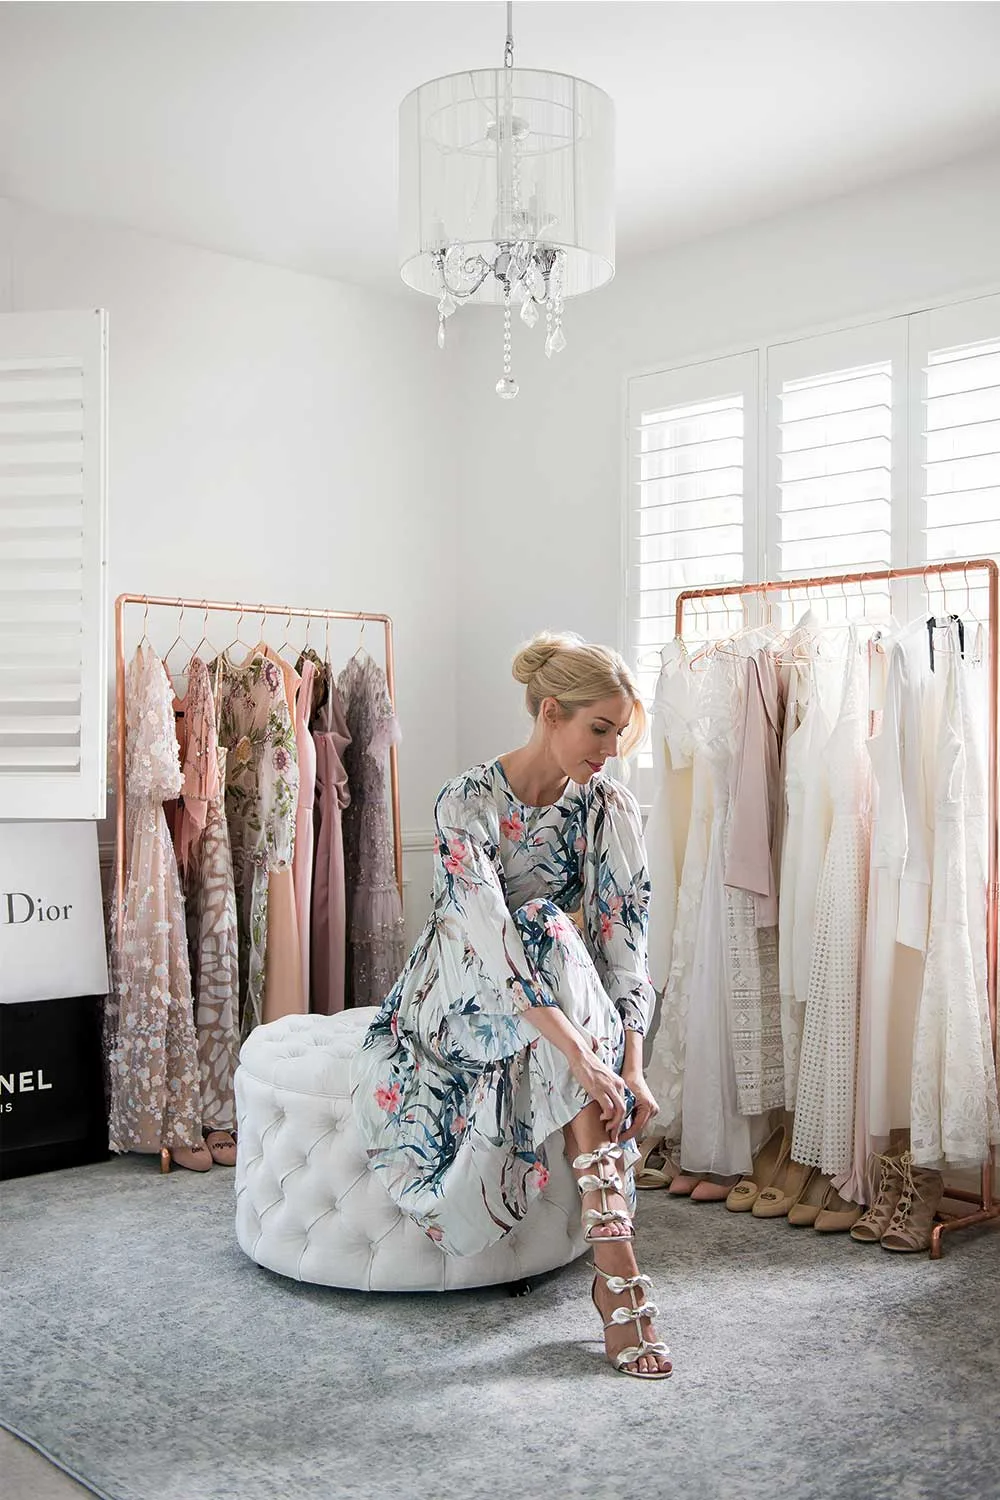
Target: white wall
<point x="273" y="437"/>
<point x="542" y="477"/>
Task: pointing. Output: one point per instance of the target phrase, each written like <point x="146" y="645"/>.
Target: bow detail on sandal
<point x="637" y="1313"/>
<point x="594" y="1218"/>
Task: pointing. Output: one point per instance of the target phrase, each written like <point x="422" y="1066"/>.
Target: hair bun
<point x="538" y="652"/>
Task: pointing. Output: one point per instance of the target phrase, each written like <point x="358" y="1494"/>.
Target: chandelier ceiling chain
<point x="506" y="194"/>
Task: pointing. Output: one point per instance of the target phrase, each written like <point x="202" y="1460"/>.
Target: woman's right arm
<point x="600" y="1083"/>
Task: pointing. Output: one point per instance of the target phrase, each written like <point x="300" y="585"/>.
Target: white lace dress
<point x="823" y="1134"/>
<point x="715" y="1137"/>
<point x="665" y="1068"/>
<point x="953" y="1103"/>
<point x="672" y="749"/>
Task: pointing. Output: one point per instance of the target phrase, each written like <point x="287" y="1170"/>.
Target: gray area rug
<point x="144" y="1352"/>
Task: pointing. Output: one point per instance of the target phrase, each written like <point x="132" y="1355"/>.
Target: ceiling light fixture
<point x="506" y="194"/>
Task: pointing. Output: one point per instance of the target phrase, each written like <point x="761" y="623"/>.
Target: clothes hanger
<point x="178" y="640"/>
<point x="144" y="638"/>
<point x="204" y="632"/>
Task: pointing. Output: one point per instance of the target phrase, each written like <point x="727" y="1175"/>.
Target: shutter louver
<point x="687" y="517"/>
<point x="52" y="632"/>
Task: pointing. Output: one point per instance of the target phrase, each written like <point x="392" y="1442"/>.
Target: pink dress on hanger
<point x="284" y="988"/>
<point x="302" y="865"/>
<point x="329" y="895"/>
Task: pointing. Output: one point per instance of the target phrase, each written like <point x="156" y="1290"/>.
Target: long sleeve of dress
<point x="471" y="903"/>
<point x="616" y="902"/>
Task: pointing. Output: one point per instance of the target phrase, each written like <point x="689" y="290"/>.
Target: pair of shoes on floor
<point x="217" y="1149"/>
<point x="656" y="1167"/>
<point x="819" y="1206"/>
<point x="602" y="1182"/>
<point x="769" y="1161"/>
<point x="702" y="1187"/>
<point x="902" y="1216"/>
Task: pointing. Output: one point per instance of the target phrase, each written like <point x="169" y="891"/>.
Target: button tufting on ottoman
<point x="307" y="1205"/>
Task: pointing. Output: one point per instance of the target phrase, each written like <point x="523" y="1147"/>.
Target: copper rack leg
<point x="164" y="1159"/>
<point x="960" y="1221"/>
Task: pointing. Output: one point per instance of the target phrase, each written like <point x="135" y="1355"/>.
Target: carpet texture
<point x="146" y="1353"/>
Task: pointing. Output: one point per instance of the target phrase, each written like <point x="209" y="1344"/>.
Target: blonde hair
<point x="577" y="674"/>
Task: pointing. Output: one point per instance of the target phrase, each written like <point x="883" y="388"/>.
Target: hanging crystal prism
<point x="529" y="310"/>
<point x="506" y="386"/>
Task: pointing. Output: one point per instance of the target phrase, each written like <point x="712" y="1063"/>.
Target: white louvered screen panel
<point x="52" y="593"/>
<point x="959" y="353"/>
<point x="835" y="419"/>
<point x="692" y="510"/>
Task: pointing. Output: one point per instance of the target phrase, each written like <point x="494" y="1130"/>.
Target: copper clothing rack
<point x="985" y="1208"/>
<point x="285" y="612"/>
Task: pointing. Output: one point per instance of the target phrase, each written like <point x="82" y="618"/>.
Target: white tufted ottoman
<point x="307" y="1204"/>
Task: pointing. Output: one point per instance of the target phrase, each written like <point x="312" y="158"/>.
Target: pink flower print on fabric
<point x="455" y="858"/>
<point x="520" y="994"/>
<point x="541" y="1176"/>
<point x="555" y="926"/>
<point x="281" y="759"/>
<point x="512" y="827"/>
<point x="580" y="845"/>
<point x="271" y="676"/>
<point x="434" y="1233"/>
<point x="458" y="1125"/>
<point x="387" y="1097"/>
<point x="607" y="926"/>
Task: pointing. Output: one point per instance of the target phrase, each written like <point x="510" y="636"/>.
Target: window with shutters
<point x="692" y="493"/>
<point x="53" y="615"/>
<point x="959" y="447"/>
<point x="879" y="447"/>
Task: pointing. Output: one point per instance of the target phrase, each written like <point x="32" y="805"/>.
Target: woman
<point x="506" y="1026"/>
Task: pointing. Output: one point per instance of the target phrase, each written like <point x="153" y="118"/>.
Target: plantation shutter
<point x="955" y="355"/>
<point x="52" y="565"/>
<point x="837" y="454"/>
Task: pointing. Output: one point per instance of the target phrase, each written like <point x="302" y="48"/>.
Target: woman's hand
<point x="603" y="1085"/>
<point x="646" y="1107"/>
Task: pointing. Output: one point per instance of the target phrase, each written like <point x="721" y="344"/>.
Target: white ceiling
<point x="268" y="130"/>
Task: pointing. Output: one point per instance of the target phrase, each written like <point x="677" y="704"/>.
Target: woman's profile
<point x="509" y="1023"/>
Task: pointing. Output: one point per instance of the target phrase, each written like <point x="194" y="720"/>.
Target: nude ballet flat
<point x="222" y="1147"/>
<point x="776" y="1201"/>
<point x="765" y="1164"/>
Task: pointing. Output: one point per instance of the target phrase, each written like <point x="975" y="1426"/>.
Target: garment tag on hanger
<point x="932" y="625"/>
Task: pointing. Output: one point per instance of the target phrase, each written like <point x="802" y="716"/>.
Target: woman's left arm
<point x="616" y="902"/>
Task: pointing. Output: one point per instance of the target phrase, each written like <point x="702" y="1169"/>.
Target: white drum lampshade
<point x="506" y="193"/>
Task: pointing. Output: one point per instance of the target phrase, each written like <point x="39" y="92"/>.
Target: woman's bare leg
<point x="612" y="1250"/>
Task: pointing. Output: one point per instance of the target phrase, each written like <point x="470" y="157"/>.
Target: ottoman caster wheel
<point x="518" y="1288"/>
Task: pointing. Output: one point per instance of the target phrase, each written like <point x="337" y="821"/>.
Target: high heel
<point x="597" y="1183"/>
<point x="805" y="1210"/>
<point x="873" y="1224"/>
<point x="838" y="1214"/>
<point x="911" y="1225"/>
<point x="637" y="1314"/>
<point x="684" y="1184"/>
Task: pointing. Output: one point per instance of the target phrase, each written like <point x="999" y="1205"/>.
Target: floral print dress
<point x="455" y="1092"/>
<point x="262" y="788"/>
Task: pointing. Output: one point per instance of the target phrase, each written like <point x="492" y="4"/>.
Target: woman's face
<point x="582" y="742"/>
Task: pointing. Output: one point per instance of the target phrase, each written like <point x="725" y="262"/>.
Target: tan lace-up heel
<point x="873" y="1224"/>
<point x="910" y="1227"/>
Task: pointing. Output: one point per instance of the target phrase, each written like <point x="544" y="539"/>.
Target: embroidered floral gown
<point x="153" y="1054"/>
<point x="262" y="787"/>
<point x="455" y="1092"/>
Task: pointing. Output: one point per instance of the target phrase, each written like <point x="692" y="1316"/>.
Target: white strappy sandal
<point x="635" y="1314"/>
<point x="597" y="1183"/>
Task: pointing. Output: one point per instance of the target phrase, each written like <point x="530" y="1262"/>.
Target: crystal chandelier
<point x="506" y="194"/>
